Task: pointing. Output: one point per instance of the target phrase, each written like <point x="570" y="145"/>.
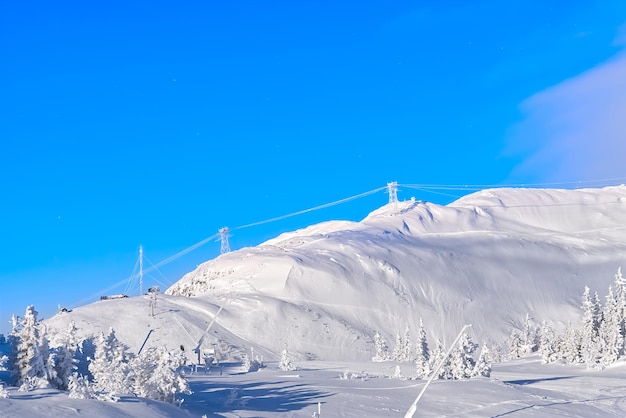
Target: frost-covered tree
<point x="251" y="363"/>
<point x="548" y="343"/>
<point x="422" y="357"/>
<point x="397" y="373"/>
<point x="438" y="357"/>
<point x="611" y="331"/>
<point x="62" y="357"/>
<point x="590" y="331"/>
<point x="79" y="387"/>
<point x="406" y="345"/>
<point x="483" y="364"/>
<point x="620" y="297"/>
<point x="398" y="349"/>
<point x="570" y="345"/>
<point x="286" y="363"/>
<point x="462" y="363"/>
<point x="516" y="345"/>
<point x="110" y="367"/>
<point x="155" y="374"/>
<point x="247" y="363"/>
<point x="28" y="364"/>
<point x="3" y="392"/>
<point x="382" y="350"/>
<point x="529" y="336"/>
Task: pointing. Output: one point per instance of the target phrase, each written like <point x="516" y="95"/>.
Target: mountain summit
<point x="489" y="259"/>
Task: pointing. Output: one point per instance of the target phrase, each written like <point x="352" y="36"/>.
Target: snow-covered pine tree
<point x="611" y="331"/>
<point x="462" y="363"/>
<point x="110" y="368"/>
<point x="529" y="336"/>
<point x="13" y="339"/>
<point x="517" y="348"/>
<point x="483" y="364"/>
<point x="422" y="357"/>
<point x="62" y="357"/>
<point x="79" y="387"/>
<point x="620" y="296"/>
<point x="29" y="367"/>
<point x="397" y="372"/>
<point x="247" y="363"/>
<point x="285" y="363"/>
<point x="438" y="357"/>
<point x="547" y="343"/>
<point x="3" y="392"/>
<point x="380" y="345"/>
<point x="406" y="345"/>
<point x="589" y="333"/>
<point x="570" y="347"/>
<point x="398" y="348"/>
<point x="156" y="375"/>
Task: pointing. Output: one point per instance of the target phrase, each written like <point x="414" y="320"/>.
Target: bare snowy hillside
<point x="487" y="259"/>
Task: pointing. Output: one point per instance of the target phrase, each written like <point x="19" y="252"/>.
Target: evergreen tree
<point x="110" y="368"/>
<point x="80" y="387"/>
<point x="155" y="375"/>
<point x="406" y="345"/>
<point x="29" y="367"/>
<point x="380" y="345"/>
<point x="517" y="348"/>
<point x="570" y="345"/>
<point x="422" y="358"/>
<point x="438" y="357"/>
<point x="483" y="364"/>
<point x="398" y="349"/>
<point x="529" y="336"/>
<point x="247" y="363"/>
<point x="62" y="357"/>
<point x="285" y="363"/>
<point x="14" y="342"/>
<point x="462" y="363"/>
<point x="548" y="344"/>
<point x="590" y="330"/>
<point x="611" y="330"/>
<point x="397" y="373"/>
<point x="3" y="392"/>
<point x="620" y="297"/>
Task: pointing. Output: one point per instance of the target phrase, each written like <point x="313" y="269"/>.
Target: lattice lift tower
<point x="392" y="190"/>
<point x="141" y="270"/>
<point x="225" y="247"/>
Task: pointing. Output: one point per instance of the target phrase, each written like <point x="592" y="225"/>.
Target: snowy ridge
<point x="487" y="259"/>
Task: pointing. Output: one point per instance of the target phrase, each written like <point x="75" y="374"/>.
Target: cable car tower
<point x="225" y="247"/>
<point x="392" y="190"/>
<point x="140" y="270"/>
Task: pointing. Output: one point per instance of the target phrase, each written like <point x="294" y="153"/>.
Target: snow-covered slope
<point x="487" y="259"/>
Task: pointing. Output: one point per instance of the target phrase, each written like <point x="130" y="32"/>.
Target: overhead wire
<point x="429" y="188"/>
<point x="207" y="239"/>
<point x="324" y="206"/>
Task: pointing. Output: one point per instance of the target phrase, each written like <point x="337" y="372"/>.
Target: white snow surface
<point x="487" y="259"/>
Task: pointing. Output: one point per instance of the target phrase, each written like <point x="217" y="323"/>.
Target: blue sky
<point x="159" y="122"/>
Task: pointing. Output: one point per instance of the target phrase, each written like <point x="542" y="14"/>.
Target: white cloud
<point x="576" y="130"/>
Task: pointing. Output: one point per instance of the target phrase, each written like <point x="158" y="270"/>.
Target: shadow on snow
<point x="274" y="396"/>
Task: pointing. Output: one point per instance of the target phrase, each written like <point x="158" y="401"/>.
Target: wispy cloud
<point x="576" y="130"/>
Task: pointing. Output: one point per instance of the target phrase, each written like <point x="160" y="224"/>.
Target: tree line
<point x="102" y="368"/>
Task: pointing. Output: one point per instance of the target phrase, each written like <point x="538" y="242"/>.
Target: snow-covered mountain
<point x="487" y="259"/>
